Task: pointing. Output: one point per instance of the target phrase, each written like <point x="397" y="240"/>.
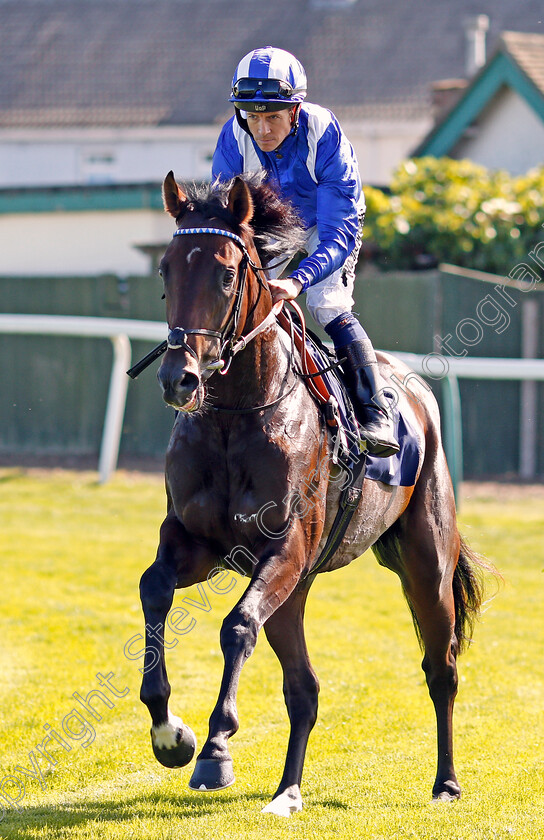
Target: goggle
<point x="268" y="88"/>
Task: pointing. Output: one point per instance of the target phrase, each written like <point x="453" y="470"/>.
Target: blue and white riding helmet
<point x="268" y="79"/>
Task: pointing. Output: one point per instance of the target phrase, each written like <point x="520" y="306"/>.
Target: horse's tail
<point x="468" y="592"/>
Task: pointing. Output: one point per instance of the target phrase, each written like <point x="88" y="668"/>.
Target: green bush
<point x="456" y="211"/>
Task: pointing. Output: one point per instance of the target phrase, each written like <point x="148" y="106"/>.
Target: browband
<point x="217" y="231"/>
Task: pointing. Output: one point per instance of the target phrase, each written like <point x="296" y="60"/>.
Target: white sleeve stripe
<point x="317" y="125"/>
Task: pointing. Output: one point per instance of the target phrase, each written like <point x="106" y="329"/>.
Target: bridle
<point x="229" y="344"/>
<point x="226" y="337"/>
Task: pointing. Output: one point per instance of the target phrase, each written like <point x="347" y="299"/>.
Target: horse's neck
<point x="257" y="372"/>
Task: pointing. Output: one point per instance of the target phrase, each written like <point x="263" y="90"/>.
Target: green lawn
<point x="72" y="554"/>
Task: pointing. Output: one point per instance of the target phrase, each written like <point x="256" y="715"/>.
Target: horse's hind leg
<point x="423" y="547"/>
<point x="173" y="742"/>
<point x="285" y="633"/>
<point x="433" y="606"/>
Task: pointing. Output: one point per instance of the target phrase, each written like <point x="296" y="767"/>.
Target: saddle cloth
<point x="323" y="379"/>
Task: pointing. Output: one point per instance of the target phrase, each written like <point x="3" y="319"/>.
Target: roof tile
<point x="145" y="62"/>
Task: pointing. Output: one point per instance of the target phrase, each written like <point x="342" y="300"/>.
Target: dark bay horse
<point x="250" y="487"/>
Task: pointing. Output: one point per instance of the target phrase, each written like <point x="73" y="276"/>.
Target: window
<point x="98" y="166"/>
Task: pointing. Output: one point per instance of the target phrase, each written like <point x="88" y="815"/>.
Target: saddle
<point x="322" y="374"/>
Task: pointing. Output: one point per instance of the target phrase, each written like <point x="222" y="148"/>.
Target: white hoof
<point x="166" y="736"/>
<point x="284" y="805"/>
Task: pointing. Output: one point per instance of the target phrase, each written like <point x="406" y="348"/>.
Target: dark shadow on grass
<point x="21" y="825"/>
<point x="12" y="475"/>
<point x="331" y="803"/>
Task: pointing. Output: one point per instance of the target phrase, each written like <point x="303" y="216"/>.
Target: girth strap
<point x="349" y="501"/>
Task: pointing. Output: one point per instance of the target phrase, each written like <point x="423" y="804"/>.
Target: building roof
<point x="527" y="50"/>
<point x="170" y="62"/>
<point x="518" y="63"/>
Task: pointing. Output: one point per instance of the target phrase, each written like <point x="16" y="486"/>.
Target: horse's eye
<point x="161" y="275"/>
<point x="228" y="277"/>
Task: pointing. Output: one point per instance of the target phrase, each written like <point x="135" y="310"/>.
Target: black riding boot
<point x="365" y="385"/>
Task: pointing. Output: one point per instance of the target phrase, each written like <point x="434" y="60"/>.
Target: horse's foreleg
<point x="173" y="742"/>
<point x="285" y="633"/>
<point x="273" y="581"/>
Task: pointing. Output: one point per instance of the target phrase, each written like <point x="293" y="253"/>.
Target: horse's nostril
<point x="188" y="382"/>
<point x="177" y="385"/>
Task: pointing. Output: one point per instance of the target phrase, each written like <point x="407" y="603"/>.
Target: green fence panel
<point x="481" y="316"/>
<point x="54" y="390"/>
<point x="398" y="309"/>
<point x="54" y="393"/>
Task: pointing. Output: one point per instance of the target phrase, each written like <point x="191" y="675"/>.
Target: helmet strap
<point x="241" y="121"/>
<point x="296" y="116"/>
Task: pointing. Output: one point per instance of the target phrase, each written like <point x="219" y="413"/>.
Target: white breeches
<point x="330" y="297"/>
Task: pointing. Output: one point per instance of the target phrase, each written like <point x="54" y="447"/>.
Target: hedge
<point x="456" y="211"/>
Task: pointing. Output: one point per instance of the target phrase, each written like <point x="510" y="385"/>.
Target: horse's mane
<point x="276" y="226"/>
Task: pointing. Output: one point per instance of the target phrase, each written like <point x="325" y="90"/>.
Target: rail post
<point x="115" y="409"/>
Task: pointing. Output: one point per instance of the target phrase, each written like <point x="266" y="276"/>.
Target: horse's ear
<point x="173" y="196"/>
<point x="240" y="201"/>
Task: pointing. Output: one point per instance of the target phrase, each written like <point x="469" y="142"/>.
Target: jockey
<point x="308" y="158"/>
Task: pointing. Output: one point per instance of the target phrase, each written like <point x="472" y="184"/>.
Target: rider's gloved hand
<point x="286" y="289"/>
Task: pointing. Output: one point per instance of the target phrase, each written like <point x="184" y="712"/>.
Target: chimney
<point x="476" y="27"/>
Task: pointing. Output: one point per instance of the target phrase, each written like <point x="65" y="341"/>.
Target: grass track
<point x="72" y="553"/>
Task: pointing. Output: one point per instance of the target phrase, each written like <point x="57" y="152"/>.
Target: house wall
<point x="66" y="157"/>
<point x="380" y="145"/>
<point x="95" y="239"/>
<point x="80" y="243"/>
<point x="507" y="135"/>
<point x="59" y="157"/>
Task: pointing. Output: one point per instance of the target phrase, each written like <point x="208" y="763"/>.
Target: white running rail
<point x="119" y="331"/>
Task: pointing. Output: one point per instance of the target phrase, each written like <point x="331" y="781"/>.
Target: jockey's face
<point x="269" y="130"/>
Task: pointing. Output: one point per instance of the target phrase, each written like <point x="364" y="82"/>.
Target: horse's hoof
<point x="287" y="803"/>
<point x="174" y="743"/>
<point x="212" y="774"/>
<point x="447" y="792"/>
